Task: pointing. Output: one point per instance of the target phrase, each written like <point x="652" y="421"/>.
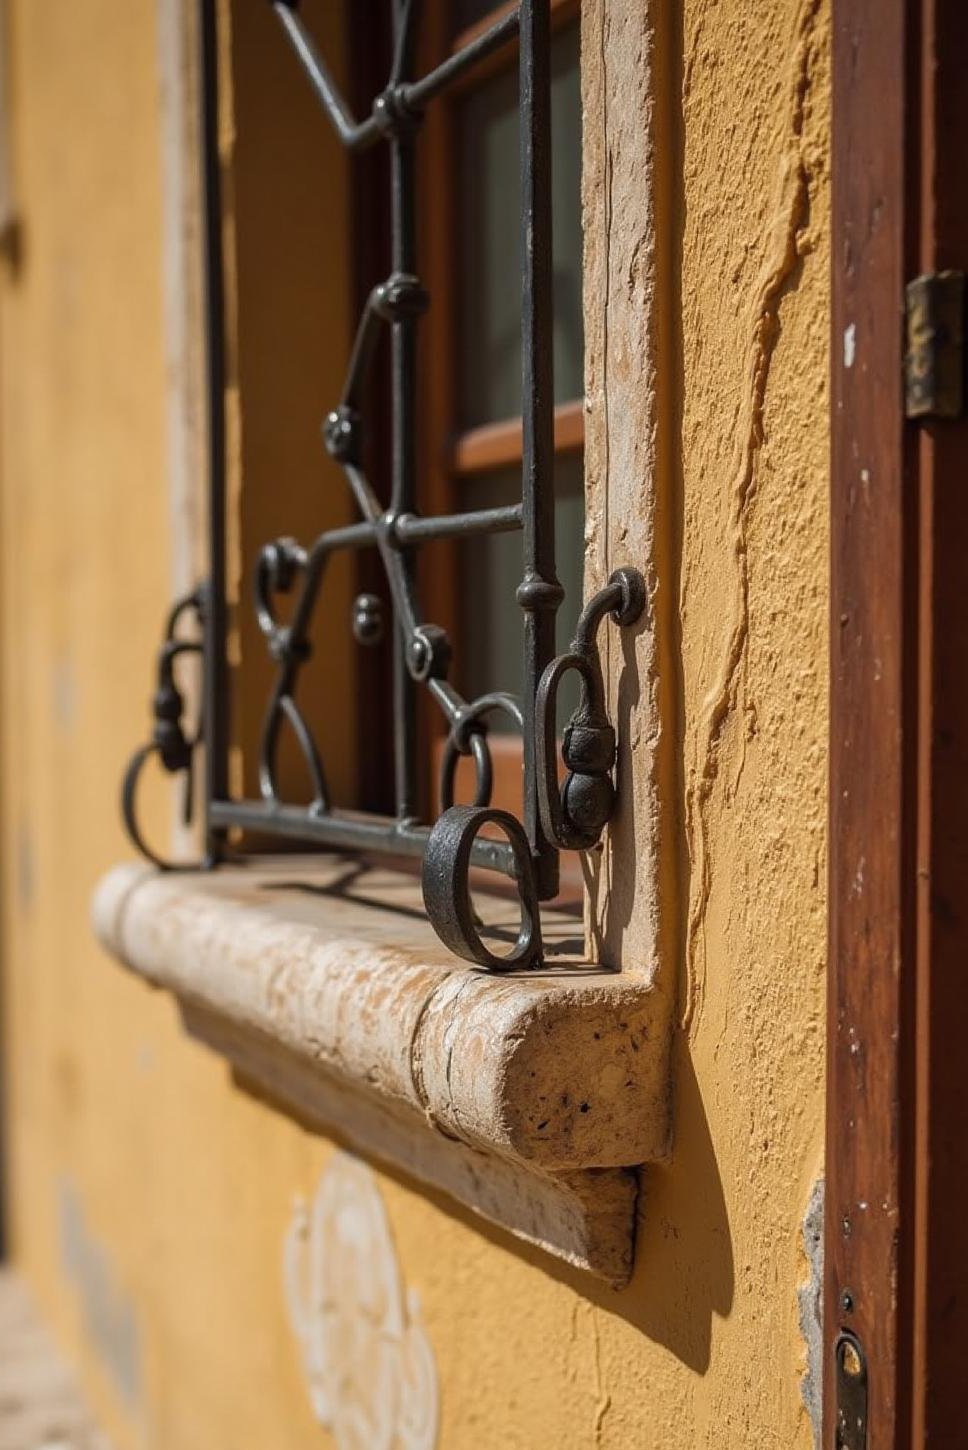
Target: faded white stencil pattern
<point x="369" y="1365"/>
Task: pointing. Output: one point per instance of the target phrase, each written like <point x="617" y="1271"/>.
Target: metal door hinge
<point x="934" y="363"/>
<point x="850" y="1380"/>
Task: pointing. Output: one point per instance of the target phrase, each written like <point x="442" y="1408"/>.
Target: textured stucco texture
<point x="149" y="1195"/>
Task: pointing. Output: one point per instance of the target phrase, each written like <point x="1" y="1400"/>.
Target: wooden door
<point x="897" y="1151"/>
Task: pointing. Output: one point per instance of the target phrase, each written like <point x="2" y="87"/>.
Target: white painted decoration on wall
<point x="369" y="1365"/>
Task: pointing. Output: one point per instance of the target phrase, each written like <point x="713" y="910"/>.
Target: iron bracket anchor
<point x="572" y="819"/>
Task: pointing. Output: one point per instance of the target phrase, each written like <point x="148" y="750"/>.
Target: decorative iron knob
<point x="575" y="817"/>
<point x="368" y="619"/>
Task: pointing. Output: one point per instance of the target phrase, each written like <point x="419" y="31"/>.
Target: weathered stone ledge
<point x="527" y="1097"/>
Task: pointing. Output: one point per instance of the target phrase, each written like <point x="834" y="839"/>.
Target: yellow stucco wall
<point x="149" y="1197"/>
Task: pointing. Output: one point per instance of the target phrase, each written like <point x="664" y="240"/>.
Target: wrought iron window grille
<point x="569" y="818"/>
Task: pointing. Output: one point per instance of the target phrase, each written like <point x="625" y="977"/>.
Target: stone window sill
<point x="527" y="1097"/>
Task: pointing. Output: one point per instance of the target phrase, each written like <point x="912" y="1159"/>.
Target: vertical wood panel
<point x="940" y="1311"/>
<point x="897" y="1159"/>
<point x="871" y="691"/>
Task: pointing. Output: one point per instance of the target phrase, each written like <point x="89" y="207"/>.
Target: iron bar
<point x="355" y="135"/>
<point x="418" y="528"/>
<point x="349" y="832"/>
<point x="500" y="33"/>
<point x="403" y="386"/>
<point x="215" y="693"/>
<point x="540" y="593"/>
<point x="412" y="528"/>
<point x="411" y="96"/>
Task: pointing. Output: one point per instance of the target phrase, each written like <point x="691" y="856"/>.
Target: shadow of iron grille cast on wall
<point x="555" y="818"/>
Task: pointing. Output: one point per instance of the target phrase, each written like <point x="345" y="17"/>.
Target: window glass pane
<point x="490" y="572"/>
<point x="490" y="271"/>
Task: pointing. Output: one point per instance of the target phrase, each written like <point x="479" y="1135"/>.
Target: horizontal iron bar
<point x="415" y="529"/>
<point x="349" y="536"/>
<point x="410" y="528"/>
<point x="350" y="831"/>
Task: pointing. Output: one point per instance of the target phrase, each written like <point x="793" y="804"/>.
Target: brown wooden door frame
<point x="897" y="1153"/>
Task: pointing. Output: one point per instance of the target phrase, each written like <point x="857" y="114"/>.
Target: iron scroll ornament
<point x="174" y="747"/>
<point x="572" y="817"/>
<point x="389" y="522"/>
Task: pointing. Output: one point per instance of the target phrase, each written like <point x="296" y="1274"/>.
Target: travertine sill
<point x="527" y="1097"/>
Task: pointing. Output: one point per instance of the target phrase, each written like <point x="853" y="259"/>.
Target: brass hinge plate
<point x="934" y="364"/>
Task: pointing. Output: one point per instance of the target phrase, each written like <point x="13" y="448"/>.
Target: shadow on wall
<point x="684" y="1271"/>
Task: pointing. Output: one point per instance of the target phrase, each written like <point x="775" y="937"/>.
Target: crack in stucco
<point x="603" y="1400"/>
<point x="588" y="1366"/>
<point x="786" y="249"/>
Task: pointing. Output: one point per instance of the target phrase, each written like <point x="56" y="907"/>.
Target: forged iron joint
<point x="394" y="113"/>
<point x="288" y="648"/>
<point x="400" y="297"/>
<point x="429" y="653"/>
<point x="341" y="434"/>
<point x="536" y="594"/>
<point x="280" y="560"/>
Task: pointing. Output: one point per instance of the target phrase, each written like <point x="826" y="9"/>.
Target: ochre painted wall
<point x="149" y="1197"/>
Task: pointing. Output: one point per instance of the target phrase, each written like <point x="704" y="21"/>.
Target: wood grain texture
<point x="940" y="1154"/>
<point x="633" y="886"/>
<point x="899" y="745"/>
<point x="871" y="756"/>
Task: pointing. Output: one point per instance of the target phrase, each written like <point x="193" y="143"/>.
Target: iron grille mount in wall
<point x="569" y="818"/>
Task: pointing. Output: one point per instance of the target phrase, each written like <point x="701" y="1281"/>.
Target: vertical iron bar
<point x="215" y="682"/>
<point x="540" y="592"/>
<point x="404" y="399"/>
